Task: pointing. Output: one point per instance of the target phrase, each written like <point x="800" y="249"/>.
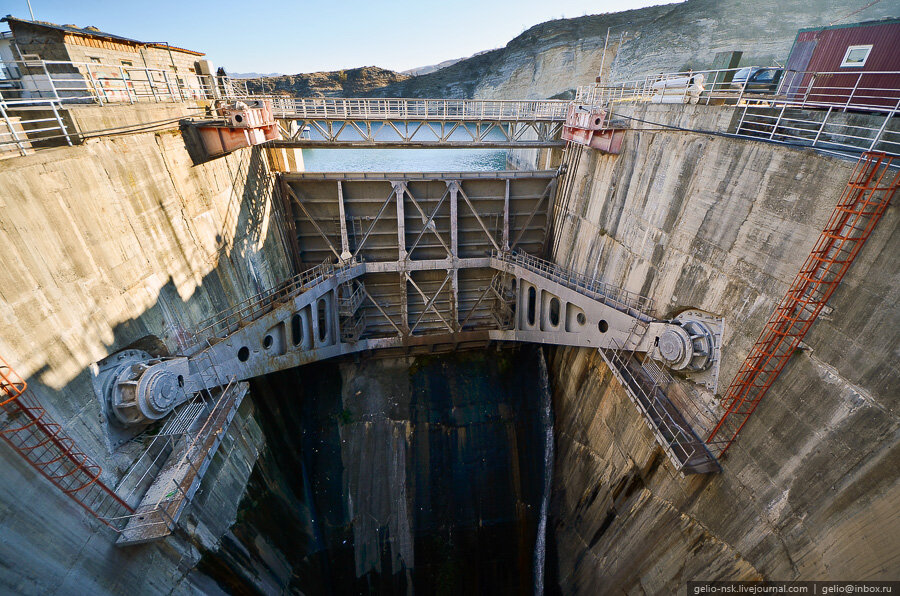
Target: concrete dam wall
<point x="115" y="243"/>
<point x="810" y="488"/>
<point x="425" y="474"/>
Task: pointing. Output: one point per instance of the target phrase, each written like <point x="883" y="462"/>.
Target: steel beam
<point x="410" y="176"/>
<point x="345" y="242"/>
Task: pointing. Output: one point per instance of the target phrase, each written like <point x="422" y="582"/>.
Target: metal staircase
<point x="646" y="384"/>
<point x="185" y="449"/>
<point x="352" y="319"/>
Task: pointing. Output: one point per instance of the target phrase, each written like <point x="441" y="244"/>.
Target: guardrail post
<point x="737" y="130"/>
<point x="852" y="91"/>
<point x="777" y="122"/>
<point x="62" y="126"/>
<point x="743" y="88"/>
<point x="812" y="82"/>
<point x="821" y="128"/>
<point x="12" y="131"/>
<point x="150" y="82"/>
<point x="50" y="80"/>
<point x="883" y="126"/>
<point x="168" y="85"/>
<point x="94" y="84"/>
<point x="125" y="82"/>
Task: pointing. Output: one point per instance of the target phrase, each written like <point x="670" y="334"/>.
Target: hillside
<point x="553" y="58"/>
<point x="346" y="83"/>
<point x="423" y="70"/>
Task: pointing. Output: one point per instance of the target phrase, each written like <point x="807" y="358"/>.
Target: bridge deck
<point x="403" y="109"/>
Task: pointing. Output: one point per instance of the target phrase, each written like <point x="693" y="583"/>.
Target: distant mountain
<point x="338" y="83"/>
<point x="253" y="75"/>
<point x="423" y="70"/>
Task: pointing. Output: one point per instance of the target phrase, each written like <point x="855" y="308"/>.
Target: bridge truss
<point x="418" y="123"/>
<point x="418" y="263"/>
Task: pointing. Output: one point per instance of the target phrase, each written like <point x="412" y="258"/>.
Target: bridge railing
<point x="327" y="108"/>
<point x="231" y="319"/>
<point x="802" y="108"/>
<point x="614" y="296"/>
<point x="873" y="91"/>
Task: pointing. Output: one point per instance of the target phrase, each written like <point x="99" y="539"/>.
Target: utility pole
<point x="29" y="9"/>
<point x="603" y="58"/>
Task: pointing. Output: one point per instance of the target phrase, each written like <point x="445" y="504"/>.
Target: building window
<point x="95" y="60"/>
<point x="127" y="63"/>
<point x="856" y="56"/>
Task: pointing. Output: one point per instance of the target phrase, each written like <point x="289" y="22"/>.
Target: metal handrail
<point x="190" y="457"/>
<point x="679" y="443"/>
<point x="614" y="296"/>
<point x="11" y="384"/>
<point x="327" y="108"/>
<point x="230" y="319"/>
<point x="806" y="88"/>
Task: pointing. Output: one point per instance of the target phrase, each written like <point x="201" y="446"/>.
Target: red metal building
<point x="846" y="65"/>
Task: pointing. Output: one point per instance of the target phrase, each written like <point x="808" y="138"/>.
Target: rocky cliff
<point x="339" y="83"/>
<point x="553" y="58"/>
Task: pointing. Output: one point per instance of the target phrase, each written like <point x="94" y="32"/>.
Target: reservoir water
<point x="403" y="160"/>
<point x="406" y="160"/>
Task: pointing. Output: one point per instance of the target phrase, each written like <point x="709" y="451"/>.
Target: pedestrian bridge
<point x="418" y="123"/>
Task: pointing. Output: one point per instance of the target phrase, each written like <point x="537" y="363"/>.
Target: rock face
<point x="553" y="58"/>
<point x="810" y="488"/>
<point x="340" y="83"/>
<point x="392" y="475"/>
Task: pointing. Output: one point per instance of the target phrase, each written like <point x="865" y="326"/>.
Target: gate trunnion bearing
<point x="687" y="345"/>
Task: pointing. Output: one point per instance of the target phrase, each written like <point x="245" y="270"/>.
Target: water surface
<point x="404" y="160"/>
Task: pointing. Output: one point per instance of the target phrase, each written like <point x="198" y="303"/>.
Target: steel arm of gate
<point x="306" y="328"/>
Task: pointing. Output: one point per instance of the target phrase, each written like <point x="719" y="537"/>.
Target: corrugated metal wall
<point x="881" y="90"/>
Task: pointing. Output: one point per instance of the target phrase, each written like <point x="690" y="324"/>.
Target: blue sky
<point x="304" y="36"/>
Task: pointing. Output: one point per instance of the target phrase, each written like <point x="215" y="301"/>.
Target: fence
<point x="324" y="108"/>
<point x="231" y="319"/>
<point x="645" y="384"/>
<point x="168" y="474"/>
<point x="829" y="130"/>
<point x="837" y="112"/>
<point x="33" y="97"/>
<point x="614" y="296"/>
<point x="877" y="91"/>
<point x="94" y="82"/>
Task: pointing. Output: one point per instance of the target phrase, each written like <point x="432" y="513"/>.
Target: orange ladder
<point x="27" y="427"/>
<point x="868" y="193"/>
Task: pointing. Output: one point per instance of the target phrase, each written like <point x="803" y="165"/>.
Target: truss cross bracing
<point x="402" y="264"/>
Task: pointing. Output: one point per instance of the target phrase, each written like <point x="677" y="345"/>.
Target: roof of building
<point x="884" y="21"/>
<point x="96" y="33"/>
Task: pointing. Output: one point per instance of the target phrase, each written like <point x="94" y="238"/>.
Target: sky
<point x="308" y="36"/>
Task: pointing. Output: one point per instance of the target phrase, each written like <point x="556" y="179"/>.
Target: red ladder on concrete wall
<point x="27" y="428"/>
<point x="862" y="204"/>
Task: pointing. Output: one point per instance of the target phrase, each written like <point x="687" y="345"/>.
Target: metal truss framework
<point x="420" y="134"/>
<point x="418" y="263"/>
